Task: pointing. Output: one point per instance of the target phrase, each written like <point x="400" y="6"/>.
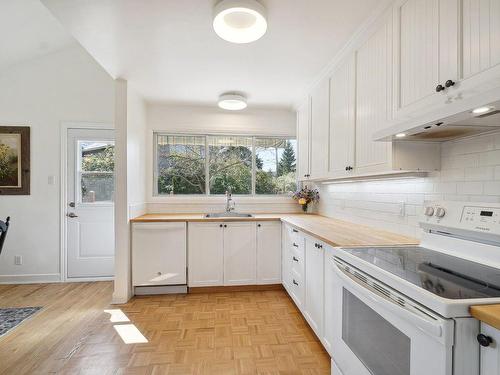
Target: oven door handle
<point x="423" y="323"/>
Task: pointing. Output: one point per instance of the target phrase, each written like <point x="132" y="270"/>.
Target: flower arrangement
<point x="305" y="196"/>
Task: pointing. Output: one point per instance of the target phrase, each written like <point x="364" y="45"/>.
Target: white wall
<point x="130" y="120"/>
<point x="470" y="171"/>
<point x="198" y="119"/>
<point x="64" y="86"/>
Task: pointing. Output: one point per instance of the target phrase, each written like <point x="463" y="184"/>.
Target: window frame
<point x="207" y="162"/>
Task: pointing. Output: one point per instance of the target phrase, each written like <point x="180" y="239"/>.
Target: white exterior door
<point x="90" y="250"/>
<point x="240" y="254"/>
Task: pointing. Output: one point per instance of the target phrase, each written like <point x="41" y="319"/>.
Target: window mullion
<point x="253" y="166"/>
<point x="207" y="167"/>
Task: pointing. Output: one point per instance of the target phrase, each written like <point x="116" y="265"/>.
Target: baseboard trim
<point x="235" y="288"/>
<point x="30" y="278"/>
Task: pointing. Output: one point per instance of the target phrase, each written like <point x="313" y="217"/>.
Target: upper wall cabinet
<point x="425" y="54"/>
<point x="480" y="36"/>
<point x="303" y="130"/>
<point x="342" y="118"/>
<point x="373" y="98"/>
<point x="320" y="123"/>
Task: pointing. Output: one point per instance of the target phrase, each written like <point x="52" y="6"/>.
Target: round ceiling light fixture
<point x="240" y="21"/>
<point x="232" y="102"/>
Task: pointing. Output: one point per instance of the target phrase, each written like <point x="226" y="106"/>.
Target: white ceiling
<point x="28" y="30"/>
<point x="169" y="52"/>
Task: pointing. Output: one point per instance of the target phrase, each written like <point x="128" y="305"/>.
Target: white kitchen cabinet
<point x="158" y="254"/>
<point x="425" y="53"/>
<point x="330" y="302"/>
<point x="373" y="98"/>
<point x="342" y="118"/>
<point x="268" y="252"/>
<point x="490" y="355"/>
<point x="320" y="124"/>
<point x="206" y="254"/>
<point x="303" y="131"/>
<point x="240" y="253"/>
<point x="480" y="35"/>
<point x="314" y="284"/>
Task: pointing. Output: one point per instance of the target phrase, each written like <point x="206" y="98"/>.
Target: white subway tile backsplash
<point x="470" y="171"/>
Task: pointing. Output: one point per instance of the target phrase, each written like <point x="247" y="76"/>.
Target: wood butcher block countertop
<point x="331" y="231"/>
<point x="489" y="314"/>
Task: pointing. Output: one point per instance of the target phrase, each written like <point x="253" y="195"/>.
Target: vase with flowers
<point x="305" y="196"/>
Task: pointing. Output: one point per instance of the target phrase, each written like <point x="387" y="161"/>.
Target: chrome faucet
<point x="229" y="201"/>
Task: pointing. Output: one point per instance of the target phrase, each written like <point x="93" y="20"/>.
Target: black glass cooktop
<point x="444" y="275"/>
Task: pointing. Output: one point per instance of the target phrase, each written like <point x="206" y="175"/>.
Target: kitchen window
<point x="212" y="164"/>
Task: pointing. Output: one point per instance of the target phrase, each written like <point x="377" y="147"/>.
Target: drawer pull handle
<point x="295" y="259"/>
<point x="295" y="231"/>
<point x="296" y="283"/>
<point x="484" y="340"/>
<point x="295" y="245"/>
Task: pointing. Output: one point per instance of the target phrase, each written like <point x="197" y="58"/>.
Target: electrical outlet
<point x="18" y="260"/>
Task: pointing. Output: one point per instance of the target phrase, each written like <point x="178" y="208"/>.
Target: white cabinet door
<point x="342" y="118"/>
<point x="426" y="53"/>
<point x="490" y="355"/>
<point x="314" y="297"/>
<point x="240" y="254"/>
<point x="268" y="252"/>
<point x="373" y="97"/>
<point x="303" y="128"/>
<point x="206" y="254"/>
<point x="480" y="36"/>
<point x="320" y="124"/>
<point x="158" y="254"/>
<point x="330" y="302"/>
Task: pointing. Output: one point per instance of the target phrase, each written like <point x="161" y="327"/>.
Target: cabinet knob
<point x="346" y="168"/>
<point x="449" y="83"/>
<point x="225" y="225"/>
<point x="296" y="283"/>
<point x="259" y="225"/>
<point x="484" y="340"/>
<point x="440" y="88"/>
<point x="295" y="259"/>
<point x="295" y="231"/>
<point x="295" y="245"/>
<point x="159" y="273"/>
<point x="220" y="225"/>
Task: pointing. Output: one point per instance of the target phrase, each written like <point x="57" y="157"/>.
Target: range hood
<point x="476" y="120"/>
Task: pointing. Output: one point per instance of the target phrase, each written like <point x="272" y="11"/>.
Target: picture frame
<point x="15" y="160"/>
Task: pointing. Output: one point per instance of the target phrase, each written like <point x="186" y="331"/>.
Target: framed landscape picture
<point x="14" y="160"/>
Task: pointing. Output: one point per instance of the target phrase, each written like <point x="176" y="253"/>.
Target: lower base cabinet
<point x="234" y="253"/>
<point x="205" y="254"/>
<point x="490" y="355"/>
<point x="314" y="284"/>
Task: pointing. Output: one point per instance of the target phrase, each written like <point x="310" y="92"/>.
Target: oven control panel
<point x="462" y="216"/>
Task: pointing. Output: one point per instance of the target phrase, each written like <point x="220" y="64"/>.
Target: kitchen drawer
<point x="297" y="246"/>
<point x="294" y="234"/>
<point x="297" y="262"/>
<point x="297" y="288"/>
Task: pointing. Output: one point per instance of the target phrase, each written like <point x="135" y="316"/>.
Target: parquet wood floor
<point x="207" y="333"/>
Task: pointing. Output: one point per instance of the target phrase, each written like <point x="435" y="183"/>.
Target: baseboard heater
<point x="160" y="289"/>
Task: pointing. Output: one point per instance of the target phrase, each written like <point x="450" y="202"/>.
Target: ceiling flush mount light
<point x="240" y="21"/>
<point x="232" y="102"/>
<point x="481" y="110"/>
<point x="400" y="135"/>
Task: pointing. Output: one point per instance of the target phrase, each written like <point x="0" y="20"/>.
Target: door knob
<point x="72" y="215"/>
<point x="449" y="83"/>
<point x="440" y="88"/>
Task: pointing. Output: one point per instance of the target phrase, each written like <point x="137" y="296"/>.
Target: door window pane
<point x="275" y="165"/>
<point x="96" y="171"/>
<point x="382" y="348"/>
<point x="181" y="164"/>
<point x="230" y="164"/>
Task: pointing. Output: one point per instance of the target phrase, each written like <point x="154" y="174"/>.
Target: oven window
<point x="383" y="349"/>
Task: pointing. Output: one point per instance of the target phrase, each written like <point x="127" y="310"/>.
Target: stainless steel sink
<point x="227" y="214"/>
